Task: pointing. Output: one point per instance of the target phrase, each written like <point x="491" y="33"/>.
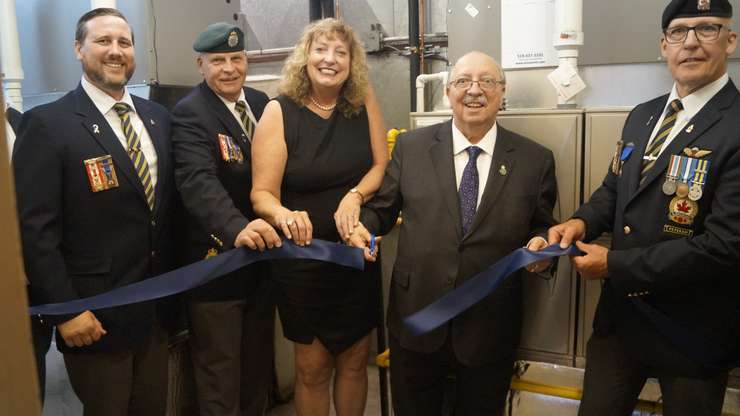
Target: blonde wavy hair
<point x="296" y="84"/>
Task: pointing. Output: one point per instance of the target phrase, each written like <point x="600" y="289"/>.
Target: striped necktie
<point x="652" y="152"/>
<point x="134" y="152"/>
<point x="241" y="108"/>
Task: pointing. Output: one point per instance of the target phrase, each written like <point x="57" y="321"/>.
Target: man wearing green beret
<point x="231" y="319"/>
<point x="669" y="301"/>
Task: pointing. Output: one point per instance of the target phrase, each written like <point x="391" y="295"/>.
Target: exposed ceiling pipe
<point x="424" y="79"/>
<point x="422" y="20"/>
<point x="414" y="61"/>
<point x="10" y="58"/>
<point x="568" y="37"/>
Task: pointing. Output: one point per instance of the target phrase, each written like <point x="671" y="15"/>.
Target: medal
<point x="682" y="190"/>
<point x="616" y="159"/>
<point x="230" y="151"/>
<point x="697" y="183"/>
<point x="686" y="172"/>
<point x="695" y="192"/>
<point x="682" y="211"/>
<point x="669" y="186"/>
<point x="101" y="173"/>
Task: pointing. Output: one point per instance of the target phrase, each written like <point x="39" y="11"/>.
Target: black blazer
<point x="14" y="118"/>
<point x="79" y="243"/>
<point x="215" y="192"/>
<point x="433" y="255"/>
<point x="692" y="279"/>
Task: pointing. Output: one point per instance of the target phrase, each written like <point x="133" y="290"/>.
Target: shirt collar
<point x="232" y="104"/>
<point x="104" y="102"/>
<point x="460" y="142"/>
<point x="694" y="102"/>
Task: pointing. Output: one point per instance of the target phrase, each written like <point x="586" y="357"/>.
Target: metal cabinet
<point x="603" y="129"/>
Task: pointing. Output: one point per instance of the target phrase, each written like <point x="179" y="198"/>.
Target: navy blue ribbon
<point x="478" y="287"/>
<point x="196" y="274"/>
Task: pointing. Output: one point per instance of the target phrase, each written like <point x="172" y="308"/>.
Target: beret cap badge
<point x="702" y="5"/>
<point x="233" y="39"/>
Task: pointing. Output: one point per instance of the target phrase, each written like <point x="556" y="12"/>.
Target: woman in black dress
<point x="318" y="154"/>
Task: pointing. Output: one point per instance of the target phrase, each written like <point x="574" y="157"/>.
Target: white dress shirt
<point x="104" y="103"/>
<point x="231" y="105"/>
<point x="460" y="144"/>
<point x="692" y="104"/>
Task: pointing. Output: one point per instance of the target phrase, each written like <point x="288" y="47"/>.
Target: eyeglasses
<point x="487" y="84"/>
<point x="703" y="32"/>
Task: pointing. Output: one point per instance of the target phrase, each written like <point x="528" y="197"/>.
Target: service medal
<point x="695" y="192"/>
<point x="682" y="210"/>
<point x="669" y="187"/>
<point x="682" y="190"/>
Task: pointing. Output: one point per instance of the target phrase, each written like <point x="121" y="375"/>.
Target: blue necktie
<point x="468" y="192"/>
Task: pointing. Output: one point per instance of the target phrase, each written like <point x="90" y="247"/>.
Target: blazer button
<point x="154" y="254"/>
<point x="627" y="229"/>
<point x="450" y="281"/>
<point x="154" y="223"/>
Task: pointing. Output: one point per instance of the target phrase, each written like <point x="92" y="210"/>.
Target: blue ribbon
<point x="197" y="274"/>
<point x="478" y="287"/>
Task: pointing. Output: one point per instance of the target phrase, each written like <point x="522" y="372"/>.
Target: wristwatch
<point x="358" y="193"/>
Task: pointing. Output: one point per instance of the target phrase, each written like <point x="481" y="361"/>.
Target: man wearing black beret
<point x="231" y="319"/>
<point x="669" y="303"/>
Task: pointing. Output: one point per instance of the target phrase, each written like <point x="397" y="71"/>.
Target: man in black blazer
<point x="676" y="236"/>
<point x="91" y="222"/>
<point x="453" y="228"/>
<point x="231" y="319"/>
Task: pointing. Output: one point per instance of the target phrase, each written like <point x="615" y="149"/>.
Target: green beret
<point x="220" y="37"/>
<point x="695" y="8"/>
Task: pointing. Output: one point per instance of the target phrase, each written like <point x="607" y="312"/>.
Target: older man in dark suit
<point x="94" y="183"/>
<point x="672" y="202"/>
<point x="470" y="192"/>
<point x="231" y="319"/>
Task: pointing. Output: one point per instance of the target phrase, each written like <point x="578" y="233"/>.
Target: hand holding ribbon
<point x="196" y="274"/>
<point x="478" y="287"/>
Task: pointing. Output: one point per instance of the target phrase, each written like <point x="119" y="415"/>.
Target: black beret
<point x="695" y="8"/>
<point x="220" y="37"/>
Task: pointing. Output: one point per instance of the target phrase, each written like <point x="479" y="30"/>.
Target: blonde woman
<point x="318" y="154"/>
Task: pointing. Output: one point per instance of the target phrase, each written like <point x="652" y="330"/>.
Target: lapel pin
<point x="151" y="120"/>
<point x="96" y="129"/>
<point x="649" y="120"/>
<point x="690" y="129"/>
<point x="502" y="170"/>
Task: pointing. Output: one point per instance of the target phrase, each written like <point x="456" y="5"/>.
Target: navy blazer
<point x="215" y="191"/>
<point x="433" y="254"/>
<point x="689" y="271"/>
<point x="79" y="243"/>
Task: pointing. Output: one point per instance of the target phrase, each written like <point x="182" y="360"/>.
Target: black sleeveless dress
<point x="326" y="158"/>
